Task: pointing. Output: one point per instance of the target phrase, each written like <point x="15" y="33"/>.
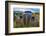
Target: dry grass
<point x="19" y="23"/>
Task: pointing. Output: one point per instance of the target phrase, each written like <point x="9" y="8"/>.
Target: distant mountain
<point x="28" y="12"/>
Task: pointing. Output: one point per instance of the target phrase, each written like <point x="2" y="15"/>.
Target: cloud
<point x="33" y="10"/>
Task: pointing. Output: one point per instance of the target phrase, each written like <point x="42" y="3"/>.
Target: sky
<point x="33" y="10"/>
